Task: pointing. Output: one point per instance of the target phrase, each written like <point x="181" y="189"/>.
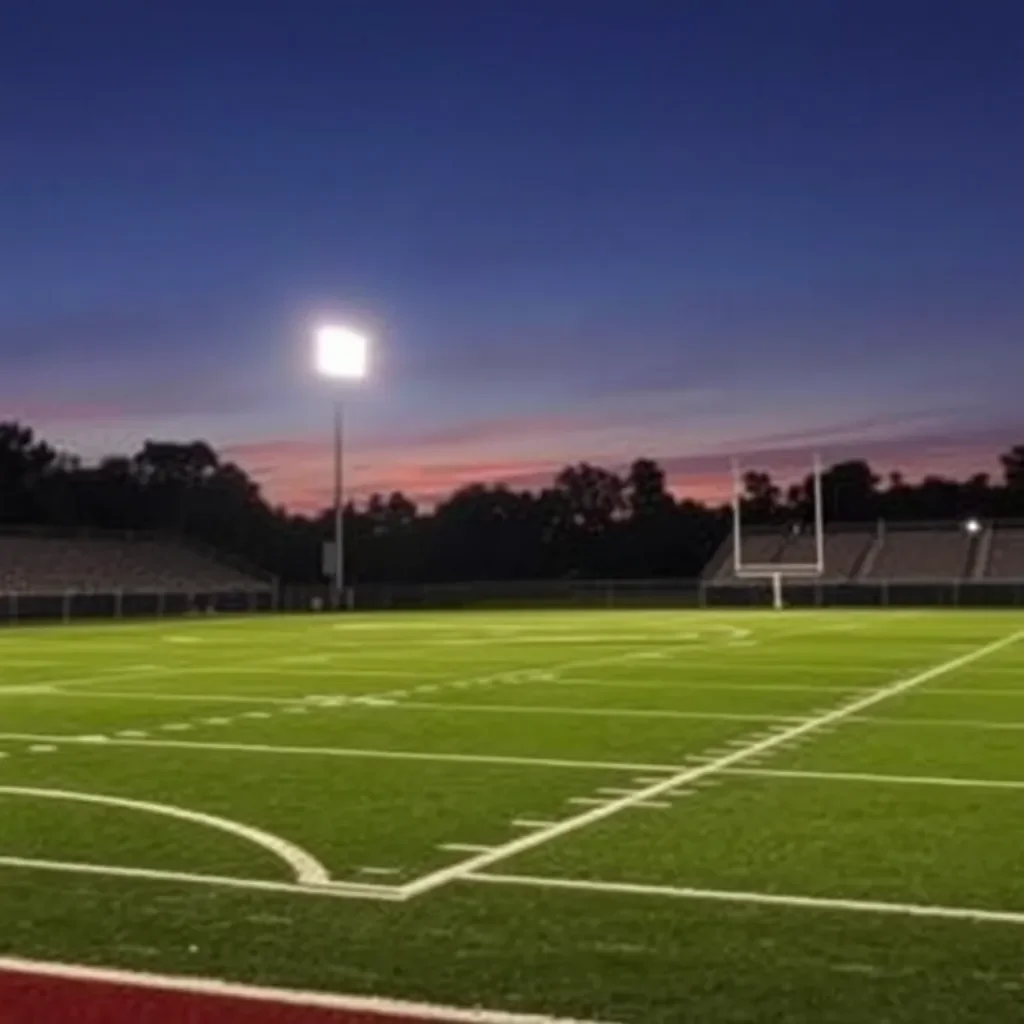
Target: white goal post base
<point x="777" y="574"/>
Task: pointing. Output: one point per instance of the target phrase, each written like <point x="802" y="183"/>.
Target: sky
<point x="575" y="230"/>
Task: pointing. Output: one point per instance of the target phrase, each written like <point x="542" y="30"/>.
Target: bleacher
<point x="926" y="554"/>
<point x="1005" y="554"/>
<point x="49" y="565"/>
<point x="844" y="552"/>
<point x="885" y="553"/>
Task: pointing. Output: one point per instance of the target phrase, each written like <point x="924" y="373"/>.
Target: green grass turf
<point x="478" y="720"/>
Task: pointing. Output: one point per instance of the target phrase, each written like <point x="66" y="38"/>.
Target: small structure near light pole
<point x="340" y="354"/>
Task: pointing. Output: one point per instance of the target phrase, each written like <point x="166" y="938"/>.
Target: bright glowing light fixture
<point x="972" y="526"/>
<point x="341" y="352"/>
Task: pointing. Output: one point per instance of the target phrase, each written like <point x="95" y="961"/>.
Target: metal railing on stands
<point x="665" y="593"/>
<point x="75" y="605"/>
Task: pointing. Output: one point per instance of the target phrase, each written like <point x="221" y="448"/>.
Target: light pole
<point x="341" y="354"/>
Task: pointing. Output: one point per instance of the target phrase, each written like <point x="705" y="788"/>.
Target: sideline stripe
<point x="772" y="899"/>
<point x="387" y="1009"/>
<point x="473" y="865"/>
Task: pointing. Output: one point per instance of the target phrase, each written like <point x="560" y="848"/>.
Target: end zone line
<point x="473" y="865"/>
<point x="770" y="899"/>
<point x="388" y="1010"/>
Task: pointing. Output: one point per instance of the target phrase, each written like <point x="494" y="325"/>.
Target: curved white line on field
<point x="308" y="870"/>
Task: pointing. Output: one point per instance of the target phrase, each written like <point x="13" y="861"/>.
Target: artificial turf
<point x="376" y="743"/>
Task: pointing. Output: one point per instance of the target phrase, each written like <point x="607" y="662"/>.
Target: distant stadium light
<point x="972" y="526"/>
<point x="341" y="353"/>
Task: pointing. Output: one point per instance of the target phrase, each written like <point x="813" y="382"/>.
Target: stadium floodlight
<point x="972" y="526"/>
<point x="340" y="354"/>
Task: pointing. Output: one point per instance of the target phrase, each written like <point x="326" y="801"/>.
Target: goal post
<point x="777" y="572"/>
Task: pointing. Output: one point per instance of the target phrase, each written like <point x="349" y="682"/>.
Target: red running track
<point x="34" y="992"/>
<point x="38" y="999"/>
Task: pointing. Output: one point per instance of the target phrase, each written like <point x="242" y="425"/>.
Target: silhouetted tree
<point x="590" y="522"/>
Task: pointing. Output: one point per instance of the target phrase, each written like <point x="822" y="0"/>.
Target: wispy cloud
<point x="297" y="471"/>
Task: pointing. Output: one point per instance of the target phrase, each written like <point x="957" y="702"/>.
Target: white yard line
<point x="137" y="672"/>
<point x="955" y="723"/>
<point x="306" y="868"/>
<point x="353" y="752"/>
<point x="567" y="826"/>
<point x="686" y="684"/>
<point x="910" y="780"/>
<point x="345" y="890"/>
<point x="546" y="709"/>
<point x="770" y="899"/>
<point x="197" y="698"/>
<point x="386" y="1010"/>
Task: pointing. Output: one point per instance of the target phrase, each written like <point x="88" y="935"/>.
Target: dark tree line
<point x="590" y="522"/>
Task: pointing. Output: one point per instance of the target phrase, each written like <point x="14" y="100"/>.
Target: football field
<point x="615" y="816"/>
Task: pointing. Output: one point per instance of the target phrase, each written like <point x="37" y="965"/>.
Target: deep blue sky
<point x="578" y="228"/>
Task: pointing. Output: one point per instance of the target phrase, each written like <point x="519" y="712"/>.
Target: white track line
<point x="910" y="780"/>
<point x="569" y="825"/>
<point x="770" y="899"/>
<point x="354" y="752"/>
<point x="387" y="1009"/>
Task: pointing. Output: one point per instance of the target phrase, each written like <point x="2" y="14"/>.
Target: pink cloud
<point x="298" y="472"/>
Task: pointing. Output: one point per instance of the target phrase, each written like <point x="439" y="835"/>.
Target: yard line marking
<point x="531" y="823"/>
<point x="537" y="709"/>
<point x="394" y="1010"/>
<point x="957" y="723"/>
<point x="306" y="868"/>
<point x="195" y="698"/>
<point x="586" y="801"/>
<point x="378" y="871"/>
<point x="688" y="775"/>
<point x="685" y="684"/>
<point x="770" y="899"/>
<point x="345" y="890"/>
<point x="616" y="791"/>
<point x="463" y="847"/>
<point x="654" y="805"/>
<point x="42" y="748"/>
<point x="103" y="677"/>
<point x="357" y="752"/>
<point x="912" y="780"/>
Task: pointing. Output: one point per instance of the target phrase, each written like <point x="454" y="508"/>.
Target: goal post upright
<point x="776" y="572"/>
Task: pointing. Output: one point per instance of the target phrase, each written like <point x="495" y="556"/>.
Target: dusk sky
<point x="577" y="229"/>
